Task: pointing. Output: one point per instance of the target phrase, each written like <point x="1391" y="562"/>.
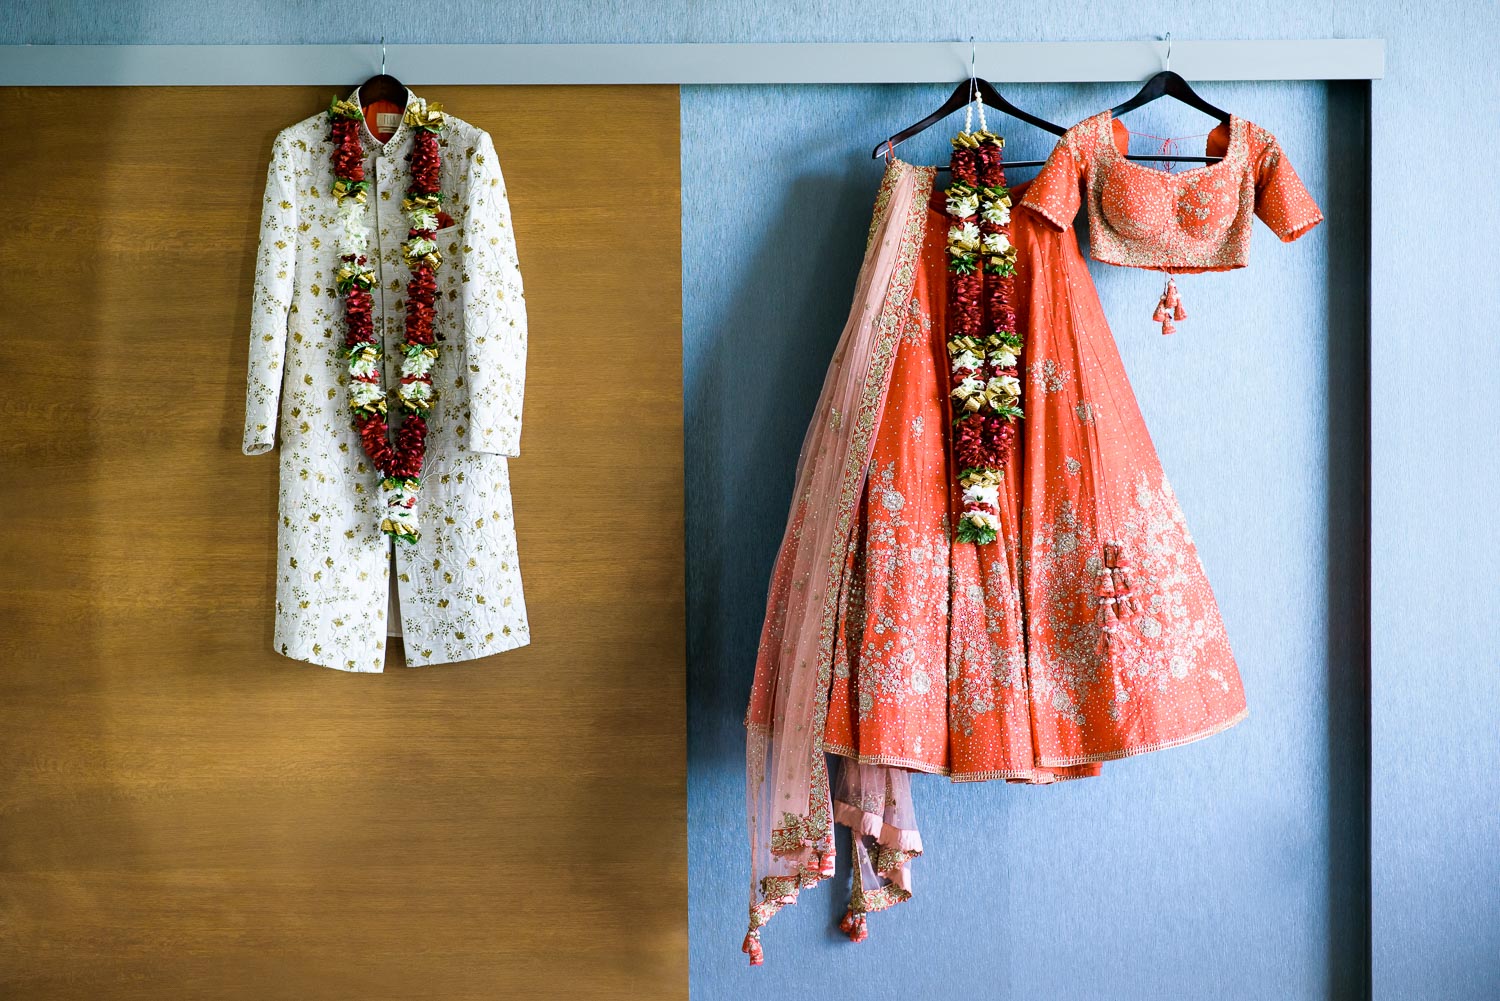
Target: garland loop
<point x="984" y="348"/>
<point x="399" y="463"/>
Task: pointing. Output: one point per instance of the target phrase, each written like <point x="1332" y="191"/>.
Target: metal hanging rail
<point x="732" y="63"/>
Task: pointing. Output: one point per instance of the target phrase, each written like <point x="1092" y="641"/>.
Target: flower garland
<point x="400" y="466"/>
<point x="983" y="347"/>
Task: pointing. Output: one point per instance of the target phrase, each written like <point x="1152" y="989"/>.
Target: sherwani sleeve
<point x="494" y="309"/>
<point x="271" y="302"/>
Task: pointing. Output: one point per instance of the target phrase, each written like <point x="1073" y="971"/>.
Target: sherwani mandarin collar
<point x="393" y="145"/>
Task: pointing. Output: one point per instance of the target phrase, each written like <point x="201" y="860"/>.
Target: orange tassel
<point x="1117" y="574"/>
<point x="853" y="925"/>
<point x="752" y="947"/>
<point x="1169" y="308"/>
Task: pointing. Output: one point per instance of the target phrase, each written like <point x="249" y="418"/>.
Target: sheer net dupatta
<point x="789" y="808"/>
<point x="874" y="801"/>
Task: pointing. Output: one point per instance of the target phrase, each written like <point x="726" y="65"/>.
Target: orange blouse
<point x="1188" y="221"/>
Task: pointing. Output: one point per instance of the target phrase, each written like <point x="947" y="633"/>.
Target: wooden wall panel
<point x="185" y="814"/>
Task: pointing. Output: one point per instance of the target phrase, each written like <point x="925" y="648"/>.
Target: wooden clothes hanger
<point x="382" y="86"/>
<point x="1169" y="84"/>
<point x="974" y="88"/>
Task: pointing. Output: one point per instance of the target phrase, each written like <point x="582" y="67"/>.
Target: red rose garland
<point x="983" y="346"/>
<point x="399" y="464"/>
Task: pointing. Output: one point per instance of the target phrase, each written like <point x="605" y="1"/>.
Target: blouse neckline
<point x="1232" y="142"/>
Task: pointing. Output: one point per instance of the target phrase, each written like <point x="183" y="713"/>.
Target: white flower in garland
<point x="419" y="245"/>
<point x="416" y="394"/>
<point x="1007" y="385"/>
<point x="996" y="243"/>
<point x="982" y="494"/>
<point x="399" y="518"/>
<point x="401" y="493"/>
<point x="969" y="389"/>
<point x="997" y="212"/>
<point x="967" y="359"/>
<point x="362" y="363"/>
<point x="965" y="236"/>
<point x="962" y="205"/>
<point x="355" y="235"/>
<point x="363" y="394"/>
<point x="417" y="364"/>
<point x="400" y="512"/>
<point x="423" y="219"/>
<point x="1003" y="358"/>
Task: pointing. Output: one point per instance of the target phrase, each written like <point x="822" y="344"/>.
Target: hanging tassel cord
<point x="751" y="947"/>
<point x="853" y="922"/>
<point x="853" y="925"/>
<point x="1117" y="601"/>
<point x="1169" y="308"/>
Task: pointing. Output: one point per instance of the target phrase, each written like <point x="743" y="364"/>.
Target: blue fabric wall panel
<point x="1436" y="672"/>
<point x="1199" y="870"/>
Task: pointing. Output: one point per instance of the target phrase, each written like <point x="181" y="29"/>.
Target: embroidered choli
<point x="1186" y="221"/>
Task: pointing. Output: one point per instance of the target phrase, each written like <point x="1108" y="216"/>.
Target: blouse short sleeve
<point x="1281" y="201"/>
<point x="1054" y="195"/>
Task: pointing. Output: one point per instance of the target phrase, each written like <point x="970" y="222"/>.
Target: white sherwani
<point x="459" y="586"/>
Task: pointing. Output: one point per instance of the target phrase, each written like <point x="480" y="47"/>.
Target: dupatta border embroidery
<point x="777" y="891"/>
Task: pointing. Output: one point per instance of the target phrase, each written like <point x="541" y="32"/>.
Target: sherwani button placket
<point x="380" y="168"/>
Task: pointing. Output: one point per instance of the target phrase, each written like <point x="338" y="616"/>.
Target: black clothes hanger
<point x="960" y="97"/>
<point x="1169" y="84"/>
<point x="382" y="86"/>
<point x="970" y="89"/>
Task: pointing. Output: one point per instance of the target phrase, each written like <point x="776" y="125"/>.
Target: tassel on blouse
<point x="1169" y="308"/>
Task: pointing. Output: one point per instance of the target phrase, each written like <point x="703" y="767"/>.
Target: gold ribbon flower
<point x="971" y="393"/>
<point x="427" y="116"/>
<point x="345" y="109"/>
<point x="432" y="258"/>
<point x="343" y="188"/>
<point x="426" y="203"/>
<point x="973" y="140"/>
<point x="351" y="274"/>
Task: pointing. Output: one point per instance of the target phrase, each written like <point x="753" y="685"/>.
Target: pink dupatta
<point x="789" y="807"/>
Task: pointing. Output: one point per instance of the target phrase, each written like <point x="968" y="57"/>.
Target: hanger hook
<point x="382" y="55"/>
<point x="973" y="73"/>
<point x="1168" y="66"/>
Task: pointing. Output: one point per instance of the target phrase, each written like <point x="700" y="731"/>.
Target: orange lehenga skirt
<point x="995" y="661"/>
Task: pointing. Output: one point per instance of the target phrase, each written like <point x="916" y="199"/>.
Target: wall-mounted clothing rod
<point x="747" y="63"/>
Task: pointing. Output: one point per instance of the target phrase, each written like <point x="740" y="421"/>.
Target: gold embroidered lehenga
<point x="1086" y="631"/>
